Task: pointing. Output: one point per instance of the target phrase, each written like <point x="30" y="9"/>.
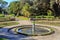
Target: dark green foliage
<point x="36" y="8"/>
<point x="3" y="39"/>
<point x="15" y="8"/>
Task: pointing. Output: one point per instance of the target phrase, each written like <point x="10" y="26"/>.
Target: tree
<point x="15" y="7"/>
<point x="25" y="10"/>
<point x="3" y="4"/>
<point x="39" y="7"/>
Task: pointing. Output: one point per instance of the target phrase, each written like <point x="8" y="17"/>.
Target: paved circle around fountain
<point x="27" y="30"/>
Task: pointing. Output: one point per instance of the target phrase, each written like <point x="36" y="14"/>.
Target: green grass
<point x="1" y="15"/>
<point x="22" y="18"/>
<point x="48" y="23"/>
<point x="3" y="24"/>
<point x="3" y="39"/>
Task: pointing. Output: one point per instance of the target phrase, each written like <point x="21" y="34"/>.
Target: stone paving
<point x="5" y="34"/>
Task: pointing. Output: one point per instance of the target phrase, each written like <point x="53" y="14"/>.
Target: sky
<point x="9" y="1"/>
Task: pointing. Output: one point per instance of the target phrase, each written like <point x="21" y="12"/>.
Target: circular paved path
<point x="5" y="34"/>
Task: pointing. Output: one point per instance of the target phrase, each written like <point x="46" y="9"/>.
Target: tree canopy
<point x="29" y="7"/>
<point x="3" y="5"/>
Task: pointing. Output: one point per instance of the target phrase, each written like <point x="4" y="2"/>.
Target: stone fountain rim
<point x="49" y="28"/>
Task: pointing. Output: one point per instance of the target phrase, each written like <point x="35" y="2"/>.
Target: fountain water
<point x="33" y="27"/>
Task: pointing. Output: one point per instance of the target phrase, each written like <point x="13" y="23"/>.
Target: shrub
<point x="7" y="18"/>
<point x="32" y="17"/>
<point x="48" y="16"/>
<point x="4" y="19"/>
<point x="11" y="15"/>
<point x="38" y="16"/>
<point x="12" y="19"/>
<point x="49" y="12"/>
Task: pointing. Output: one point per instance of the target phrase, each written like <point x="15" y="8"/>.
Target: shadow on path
<point x="5" y="34"/>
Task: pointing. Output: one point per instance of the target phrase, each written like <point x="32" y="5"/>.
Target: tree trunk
<point x="17" y="14"/>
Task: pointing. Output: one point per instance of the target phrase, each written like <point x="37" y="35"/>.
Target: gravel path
<point x="5" y="34"/>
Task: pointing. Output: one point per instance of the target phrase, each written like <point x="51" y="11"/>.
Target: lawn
<point x="22" y="18"/>
<point x="3" y="39"/>
<point x="53" y="23"/>
<point x="3" y="24"/>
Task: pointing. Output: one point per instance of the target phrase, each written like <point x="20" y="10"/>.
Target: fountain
<point x="32" y="30"/>
<point x="33" y="27"/>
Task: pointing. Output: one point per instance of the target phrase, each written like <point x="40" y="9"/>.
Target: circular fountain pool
<point x="27" y="30"/>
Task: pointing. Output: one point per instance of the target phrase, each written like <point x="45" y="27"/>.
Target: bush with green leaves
<point x="49" y="13"/>
<point x="48" y="16"/>
<point x="4" y="19"/>
<point x="7" y="18"/>
<point x="39" y="16"/>
<point x="25" y="11"/>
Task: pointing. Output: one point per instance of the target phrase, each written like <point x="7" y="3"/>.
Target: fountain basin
<point x="39" y="30"/>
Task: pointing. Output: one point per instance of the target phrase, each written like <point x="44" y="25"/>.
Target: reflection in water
<point x="29" y="30"/>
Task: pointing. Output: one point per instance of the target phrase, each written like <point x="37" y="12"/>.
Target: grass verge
<point x="3" y="24"/>
<point x="22" y="18"/>
<point x="48" y="23"/>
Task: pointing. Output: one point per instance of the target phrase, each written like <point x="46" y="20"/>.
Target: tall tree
<point x="3" y="4"/>
<point x="25" y="10"/>
<point x="15" y="7"/>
